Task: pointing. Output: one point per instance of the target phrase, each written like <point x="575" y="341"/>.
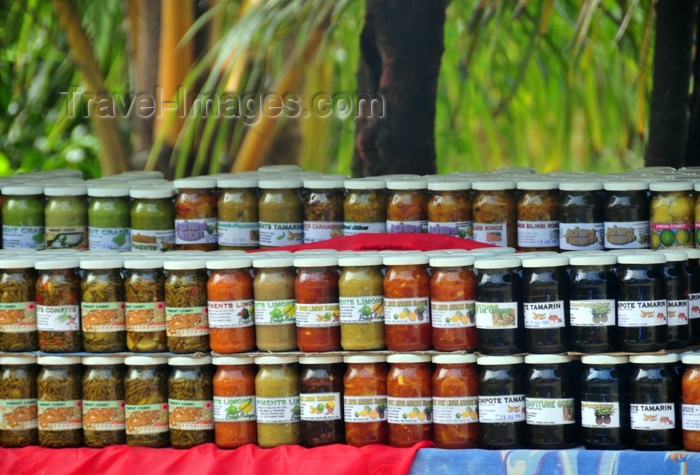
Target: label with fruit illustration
<point x="406" y="226"/>
<point x="458" y="314"/>
<point x="18" y="414"/>
<point x="195" y="231"/>
<point x="672" y="235"/>
<point x="103" y="415"/>
<point x="460" y="229"/>
<point x="677" y="312"/>
<point x="694" y="304"/>
<point x="690" y="416"/>
<point x="231" y="314"/>
<point x="406" y="311"/>
<point x="409" y="410"/>
<point x="23" y="237"/>
<point x="18" y="317"/>
<point x="62" y="318"/>
<point x="364" y="408"/>
<point x="190" y="415"/>
<point x="501" y="409"/>
<point x="280" y="234"/>
<point x="653" y="416"/>
<point x="143" y="419"/>
<point x="272" y="410"/>
<point x="320" y="406"/>
<point x="102" y="317"/>
<point x="649" y="313"/>
<point x="544" y="314"/>
<point x="496" y="316"/>
<point x="495" y="234"/>
<point x="60" y="415"/>
<point x="630" y="235"/>
<point x="368" y="309"/>
<point x="455" y="410"/>
<point x="545" y="411"/>
<point x="538" y="233"/>
<point x="600" y="415"/>
<point x="315" y="231"/>
<point x="351" y="229"/>
<point x="238" y="234"/>
<point x="145" y="317"/>
<point x="581" y="236"/>
<point x="108" y="239"/>
<point x="234" y="409"/>
<point x="592" y="313"/>
<point x="275" y="312"/>
<point x="312" y="315"/>
<point x="186" y="321"/>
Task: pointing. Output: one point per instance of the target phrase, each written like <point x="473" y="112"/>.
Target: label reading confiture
<point x="60" y="415"/>
<point x="145" y="419"/>
<point x="102" y="317"/>
<point x="545" y="411"/>
<point x="190" y="415"/>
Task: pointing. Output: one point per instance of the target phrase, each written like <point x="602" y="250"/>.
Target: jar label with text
<point x="275" y="312"/>
<point x="186" y="321"/>
<point x="690" y="417"/>
<point x="364" y="408"/>
<point x="544" y="314"/>
<point x="109" y="239"/>
<point x="630" y="235"/>
<point x="592" y="313"/>
<point x="496" y="316"/>
<point x="600" y="415"/>
<point x="351" y="229"/>
<point x="458" y="314"/>
<point x="409" y="410"/>
<point x="495" y="234"/>
<point x="145" y="317"/>
<point x="103" y="317"/>
<point x="538" y="233"/>
<point x="67" y="237"/>
<point x="18" y="414"/>
<point x="18" y="317"/>
<point x="231" y="314"/>
<point x="460" y="229"/>
<point x="196" y="231"/>
<point x="368" y="309"/>
<point x="280" y="234"/>
<point x="311" y="315"/>
<point x="581" y="236"/>
<point x="60" y="415"/>
<point x="190" y="415"/>
<point x="679" y="235"/>
<point x="546" y="412"/>
<point x="274" y="410"/>
<point x="64" y="318"/>
<point x="23" y="237"/>
<point x="145" y="419"/>
<point x="455" y="410"/>
<point x="406" y="226"/>
<point x="315" y="231"/>
<point x="233" y="234"/>
<point x="694" y="304"/>
<point x="502" y="409"/>
<point x="148" y="240"/>
<point x="653" y="416"/>
<point x="234" y="408"/>
<point x="406" y="311"/>
<point x="320" y="407"/>
<point x="650" y="313"/>
<point x="677" y="312"/>
<point x="103" y="415"/>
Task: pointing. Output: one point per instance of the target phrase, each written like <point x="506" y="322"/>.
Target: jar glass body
<point x="546" y="309"/>
<point x="593" y="309"/>
<point x="407" y="211"/>
<point x="58" y="310"/>
<point x="238" y="219"/>
<point x="626" y="219"/>
<point x="317" y="309"/>
<point x="361" y="298"/>
<point x="455" y="387"/>
<point x="450" y="213"/>
<point x="66" y="222"/>
<point x="59" y="401"/>
<point x="605" y="412"/>
<point x="364" y="211"/>
<point x="502" y="407"/>
<point x="186" y="311"/>
<point x="102" y="311"/>
<point x="19" y="426"/>
<point x="323" y="214"/>
<point x="153" y="224"/>
<point x="23" y="222"/>
<point x="641" y="308"/>
<point x="538" y="220"/>
<point x="278" y="384"/>
<point x="495" y="217"/>
<point x="234" y="386"/>
<point x="18" y="330"/>
<point x="190" y="406"/>
<point x="146" y="397"/>
<point x="581" y="223"/>
<point x="407" y="308"/>
<point x="677" y="305"/>
<point x="281" y="215"/>
<point x="103" y="405"/>
<point x="195" y="219"/>
<point x="693" y="270"/>
<point x="675" y="208"/>
<point x="452" y="294"/>
<point x="109" y="223"/>
<point x="409" y="393"/>
<point x="364" y="386"/>
<point x="230" y="302"/>
<point x="549" y="386"/>
<point x="275" y="309"/>
<point x="321" y="396"/>
<point x="499" y="312"/>
<point x="144" y="291"/>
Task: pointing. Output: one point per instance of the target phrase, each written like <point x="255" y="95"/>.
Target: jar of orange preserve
<point x="452" y="291"/>
<point x="364" y="400"/>
<point x="455" y="401"/>
<point x="691" y="402"/>
<point x="234" y="402"/>
<point x="318" y="307"/>
<point x="409" y="399"/>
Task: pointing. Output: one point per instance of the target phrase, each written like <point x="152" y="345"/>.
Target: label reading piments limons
<point x="234" y="408"/>
<point x="406" y="226"/>
<point x="58" y="318"/>
<point x="630" y="235"/>
<point x="600" y="415"/>
<point x="460" y="229"/>
<point x="103" y="317"/>
<point x="677" y="312"/>
<point x="195" y="231"/>
<point x="690" y="417"/>
<point x="458" y="314"/>
<point x="581" y="236"/>
<point x="694" y="304"/>
<point x="315" y="231"/>
<point x="18" y="317"/>
<point x="146" y="419"/>
<point x="409" y="410"/>
<point x="351" y="229"/>
<point x="653" y="416"/>
<point x="190" y="415"/>
<point x="238" y="234"/>
<point x="320" y="407"/>
<point x="501" y="409"/>
<point x="364" y="408"/>
<point x="311" y="315"/>
<point x="67" y="237"/>
<point x="368" y="309"/>
<point x="231" y="314"/>
<point x="650" y="313"/>
<point x="18" y="414"/>
<point x="102" y="239"/>
<point x="280" y="234"/>
<point x="23" y="237"/>
<point x="495" y="234"/>
<point x="275" y="312"/>
<point x="148" y="240"/>
<point x="275" y="410"/>
<point x="496" y="316"/>
<point x="538" y="233"/>
<point x="188" y="321"/>
<point x="406" y="311"/>
<point x="544" y="314"/>
<point x="545" y="412"/>
<point x="60" y="415"/>
<point x="103" y="415"/>
<point x="145" y="317"/>
<point x="592" y="313"/>
<point x="455" y="410"/>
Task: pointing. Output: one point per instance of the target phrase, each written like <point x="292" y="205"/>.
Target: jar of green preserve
<point x="281" y="212"/>
<point x="23" y="217"/>
<point x="238" y="213"/>
<point x="65" y="217"/>
<point x="152" y="219"/>
<point x="109" y="218"/>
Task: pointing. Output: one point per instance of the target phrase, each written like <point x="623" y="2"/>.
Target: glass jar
<point x="275" y="307"/>
<point x="407" y="303"/>
<point x="58" y="305"/>
<point x="582" y="216"/>
<point x="102" y="305"/>
<point x="59" y="401"/>
<point x="152" y="219"/>
<point x="452" y="293"/>
<point x="407" y="206"/>
<point x="23" y="217"/>
<point x="195" y="214"/>
<point x="364" y="400"/>
<point x="677" y="298"/>
<point x="281" y="212"/>
<point x="364" y="208"/>
<point x="494" y="212"/>
<point x="186" y="305"/>
<point x="550" y="407"/>
<point x="409" y="399"/>
<point x="450" y="208"/>
<point x="655" y="403"/>
<point x="538" y="215"/>
<point x="499" y="306"/>
<point x="190" y="401"/>
<point x="144" y="292"/>
<point x="146" y="397"/>
<point x="501" y="392"/>
<point x="277" y="401"/>
<point x="693" y="270"/>
<point x="361" y="300"/>
<point x="546" y="304"/>
<point x="690" y="385"/>
<point x="641" y="305"/>
<point x="626" y="224"/>
<point x="672" y="215"/>
<point x="238" y="213"/>
<point x="234" y="402"/>
<point x="65" y="217"/>
<point x="455" y="402"/>
<point x="18" y="404"/>
<point x="323" y="208"/>
<point x="230" y="305"/>
<point x="18" y="330"/>
<point x="109" y="218"/>
<point x="317" y="307"/>
<point x="320" y="399"/>
<point x="103" y="401"/>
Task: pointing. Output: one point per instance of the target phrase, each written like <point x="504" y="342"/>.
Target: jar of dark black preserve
<point x="605" y="409"/>
<point x="626" y="214"/>
<point x="592" y="290"/>
<point x="546" y="304"/>
<point x="692" y="267"/>
<point x="499" y="306"/>
<point x="677" y="298"/>
<point x="549" y="403"/>
<point x="641" y="305"/>
<point x="655" y="409"/>
<point x="501" y="402"/>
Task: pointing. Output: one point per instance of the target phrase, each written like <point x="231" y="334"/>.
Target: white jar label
<point x="195" y="231"/>
<point x="694" y="304"/>
<point x="600" y="415"/>
<point x="18" y="414"/>
<point x="501" y="409"/>
<point x="406" y="226"/>
<point x="630" y="235"/>
<point x="677" y="312"/>
<point x="538" y="233"/>
<point x="592" y="313"/>
<point x="274" y="410"/>
<point x="148" y="240"/>
<point x="61" y="318"/>
<point x="280" y="234"/>
<point x="234" y="234"/>
<point x="102" y="317"/>
<point x="67" y="237"/>
<point x="496" y="316"/>
<point x="19" y="317"/>
<point x="313" y="315"/>
<point x="690" y="417"/>
<point x="544" y="314"/>
<point x="650" y="313"/>
<point x="145" y="317"/>
<point x="316" y="231"/>
<point x="190" y="415"/>
<point x="669" y="232"/>
<point x="231" y="314"/>
<point x="653" y="416"/>
<point x="234" y="408"/>
<point x="414" y="311"/>
<point x="103" y="415"/>
<point x="320" y="407"/>
<point x="458" y="314"/>
<point x="455" y="410"/>
<point x="60" y="415"/>
<point x="364" y="408"/>
<point x="495" y="234"/>
<point x="23" y="237"/>
<point x="409" y="410"/>
<point x="581" y="236"/>
<point x="275" y="312"/>
<point x="547" y="412"/>
<point x="460" y="229"/>
<point x="186" y="321"/>
<point x="368" y="309"/>
<point x="109" y="239"/>
<point x="351" y="229"/>
<point x="144" y="419"/>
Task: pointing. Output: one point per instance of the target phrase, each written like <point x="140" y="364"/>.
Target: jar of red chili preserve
<point x="317" y="303"/>
<point x="452" y="293"/>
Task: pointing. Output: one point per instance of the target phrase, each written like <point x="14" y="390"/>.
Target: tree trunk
<point x="668" y="121"/>
<point x="401" y="45"/>
<point x="692" y="150"/>
<point x="146" y="67"/>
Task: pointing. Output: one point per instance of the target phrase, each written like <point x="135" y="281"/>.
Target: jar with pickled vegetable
<point x="190" y="402"/>
<point x="582" y="216"/>
<point x="65" y="217"/>
<point x="152" y="219"/>
<point x="538" y="215"/>
<point x="109" y="218"/>
<point x="693" y="270"/>
<point x="186" y="305"/>
<point x="18" y="404"/>
<point x="409" y="399"/>
<point x="407" y="205"/>
<point x="677" y="309"/>
<point x="144" y="292"/>
<point x="275" y="307"/>
<point x="364" y="400"/>
<point x="195" y="214"/>
<point x="626" y="207"/>
<point x="58" y="305"/>
<point x="281" y="212"/>
<point x="277" y="401"/>
<point x="230" y="305"/>
<point x="690" y="385"/>
<point x="103" y="401"/>
<point x="320" y="399"/>
<point x="455" y="402"/>
<point x="238" y="213"/>
<point x="23" y="217"/>
<point x="450" y="208"/>
<point x="317" y="307"/>
<point x="234" y="402"/>
<point x="361" y="293"/>
<point x="494" y="212"/>
<point x="364" y="208"/>
<point x="146" y="397"/>
<point x="102" y="305"/>
<point x="672" y="214"/>
<point x="323" y="208"/>
<point x="452" y="293"/>
<point x="18" y="330"/>
<point x="59" y="401"/>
